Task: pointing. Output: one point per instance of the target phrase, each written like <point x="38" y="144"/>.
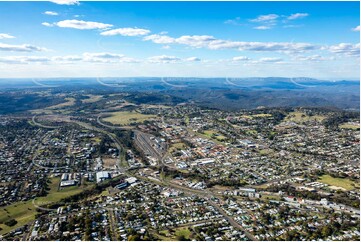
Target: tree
<point x="181" y="237"/>
<point x="11" y="222"/>
<point x="326" y="231"/>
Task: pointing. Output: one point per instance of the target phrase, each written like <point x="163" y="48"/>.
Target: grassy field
<point x="177" y="146"/>
<point x="271" y="197"/>
<point x="299" y="117"/>
<point x="183" y="231"/>
<point x="261" y="115"/>
<point x="70" y="101"/>
<point x="96" y="139"/>
<point x="349" y="126"/>
<point x="214" y="134"/>
<point x="338" y="182"/>
<point x="205" y="136"/>
<point x="41" y="111"/>
<point x="266" y="152"/>
<point x="163" y="235"/>
<point x="262" y="186"/>
<point x="166" y="235"/>
<point x="24" y="212"/>
<point x="186" y="119"/>
<point x="210" y="133"/>
<point x="124" y="118"/>
<point x="92" y="99"/>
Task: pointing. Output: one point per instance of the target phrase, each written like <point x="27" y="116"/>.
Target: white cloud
<point x="66" y="2"/>
<point x="103" y="55"/>
<point x="20" y="48"/>
<point x="297" y="16"/>
<point x="24" y="59"/>
<point x="267" y="21"/>
<point x="270" y="20"/>
<point x="107" y="58"/>
<point x="193" y="59"/>
<point x="270" y="59"/>
<point x="80" y="24"/>
<point x="262" y="27"/>
<point x="292" y="26"/>
<point x="160" y="39"/>
<point x="195" y="40"/>
<point x="172" y="59"/>
<point x="85" y="57"/>
<point x="315" y="58"/>
<point x="345" y="48"/>
<point x="210" y="42"/>
<point x="235" y="21"/>
<point x="51" y="13"/>
<point x="67" y="58"/>
<point x="265" y="18"/>
<point x="240" y="58"/>
<point x="6" y="36"/>
<point x="164" y="59"/>
<point x="126" y="32"/>
<point x="356" y="29"/>
<point x="47" y="24"/>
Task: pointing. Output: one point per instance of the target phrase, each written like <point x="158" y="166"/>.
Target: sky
<point x="68" y="38"/>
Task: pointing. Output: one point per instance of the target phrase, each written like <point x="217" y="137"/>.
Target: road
<point x="42" y="125"/>
<point x="208" y="194"/>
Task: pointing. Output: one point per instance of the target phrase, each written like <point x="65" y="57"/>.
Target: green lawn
<point x="183" y="231"/>
<point x="266" y="152"/>
<point x="338" y="182"/>
<point x="24" y="212"/>
<point x="212" y="135"/>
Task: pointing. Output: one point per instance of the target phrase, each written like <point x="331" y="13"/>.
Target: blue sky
<point x="66" y="38"/>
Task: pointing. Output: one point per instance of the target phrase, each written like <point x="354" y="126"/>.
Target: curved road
<point x="207" y="194"/>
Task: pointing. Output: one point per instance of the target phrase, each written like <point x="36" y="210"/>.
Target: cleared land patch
<point x="349" y="125"/>
<point x="70" y="101"/>
<point x="92" y="99"/>
<point x="212" y="134"/>
<point x="125" y="118"/>
<point x="299" y="117"/>
<point x="337" y="182"/>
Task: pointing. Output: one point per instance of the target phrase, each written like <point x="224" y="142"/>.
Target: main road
<point x="208" y="194"/>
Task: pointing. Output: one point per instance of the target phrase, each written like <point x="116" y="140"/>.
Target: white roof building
<point x="102" y="175"/>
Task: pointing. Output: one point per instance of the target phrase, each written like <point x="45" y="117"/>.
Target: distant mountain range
<point x="223" y="93"/>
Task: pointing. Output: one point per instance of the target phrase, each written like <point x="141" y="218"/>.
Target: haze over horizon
<point x="71" y="39"/>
